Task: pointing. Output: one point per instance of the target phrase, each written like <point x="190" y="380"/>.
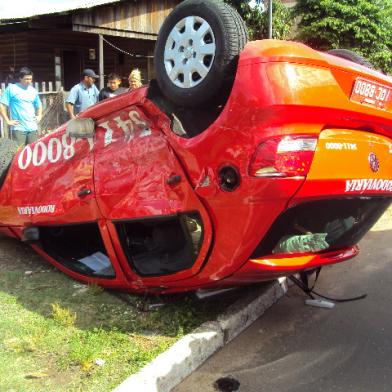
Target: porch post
<point x="101" y="81"/>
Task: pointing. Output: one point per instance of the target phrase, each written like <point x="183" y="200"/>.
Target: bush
<point x="364" y="26"/>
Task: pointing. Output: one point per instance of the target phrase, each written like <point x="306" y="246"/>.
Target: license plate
<point x="371" y="93"/>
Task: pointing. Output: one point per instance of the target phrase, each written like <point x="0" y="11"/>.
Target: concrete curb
<point x="172" y="366"/>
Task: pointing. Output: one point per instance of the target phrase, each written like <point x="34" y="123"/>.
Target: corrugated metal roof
<point x="22" y="9"/>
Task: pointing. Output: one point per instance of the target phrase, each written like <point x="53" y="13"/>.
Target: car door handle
<point x="84" y="192"/>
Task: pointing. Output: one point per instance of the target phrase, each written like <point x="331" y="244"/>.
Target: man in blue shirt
<point x="83" y="95"/>
<point x="25" y="109"/>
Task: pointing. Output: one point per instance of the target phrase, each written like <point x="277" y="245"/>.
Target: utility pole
<point x="261" y="5"/>
<point x="270" y="19"/>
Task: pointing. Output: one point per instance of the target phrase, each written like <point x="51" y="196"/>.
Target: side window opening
<point x="78" y="247"/>
<point x="322" y="225"/>
<point x="186" y="122"/>
<point x="161" y="246"/>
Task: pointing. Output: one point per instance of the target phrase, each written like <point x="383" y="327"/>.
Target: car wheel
<point x="197" y="52"/>
<point x="350" y="55"/>
<point x="8" y="149"/>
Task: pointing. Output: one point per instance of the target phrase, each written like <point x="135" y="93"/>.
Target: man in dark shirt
<point x="113" y="87"/>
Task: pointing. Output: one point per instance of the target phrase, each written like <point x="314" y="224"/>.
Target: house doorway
<point x="72" y="61"/>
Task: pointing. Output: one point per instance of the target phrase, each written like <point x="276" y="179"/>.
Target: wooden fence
<point x="52" y="98"/>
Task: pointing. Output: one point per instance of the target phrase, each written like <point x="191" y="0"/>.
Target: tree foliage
<point x="364" y="26"/>
<point x="257" y="21"/>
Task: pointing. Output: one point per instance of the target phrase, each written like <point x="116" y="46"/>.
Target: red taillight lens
<point x="284" y="156"/>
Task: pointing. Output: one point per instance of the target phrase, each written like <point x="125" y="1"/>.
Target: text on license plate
<point x="371" y="93"/>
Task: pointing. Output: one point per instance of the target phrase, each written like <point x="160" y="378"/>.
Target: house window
<point x="57" y="68"/>
<point x="91" y="54"/>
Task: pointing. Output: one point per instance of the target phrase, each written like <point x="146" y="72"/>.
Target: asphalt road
<point x="298" y="348"/>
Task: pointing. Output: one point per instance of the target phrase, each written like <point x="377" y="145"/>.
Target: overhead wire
<point x="125" y="52"/>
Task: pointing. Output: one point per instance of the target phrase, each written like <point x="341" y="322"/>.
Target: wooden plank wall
<point x="44" y="44"/>
<point x="113" y="56"/>
<point x="140" y="19"/>
<point x="13" y="52"/>
<point x="37" y="49"/>
<point x="130" y="25"/>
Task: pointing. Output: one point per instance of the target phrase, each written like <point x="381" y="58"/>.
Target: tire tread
<point x="351" y="56"/>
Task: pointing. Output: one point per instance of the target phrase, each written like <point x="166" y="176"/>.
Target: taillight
<point x="284" y="156"/>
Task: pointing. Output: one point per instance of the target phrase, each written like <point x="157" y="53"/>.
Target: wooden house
<point x="57" y="44"/>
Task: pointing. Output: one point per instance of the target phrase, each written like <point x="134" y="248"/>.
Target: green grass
<point x="53" y="329"/>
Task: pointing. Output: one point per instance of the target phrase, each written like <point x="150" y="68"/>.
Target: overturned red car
<point x="242" y="163"/>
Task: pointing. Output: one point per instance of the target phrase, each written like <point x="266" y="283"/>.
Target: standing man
<point x="25" y="109"/>
<point x="83" y="94"/>
<point x="113" y="87"/>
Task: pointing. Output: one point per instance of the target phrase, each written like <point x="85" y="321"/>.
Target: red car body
<point x="136" y="169"/>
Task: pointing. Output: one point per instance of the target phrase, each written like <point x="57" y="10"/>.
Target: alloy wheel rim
<point x="189" y="52"/>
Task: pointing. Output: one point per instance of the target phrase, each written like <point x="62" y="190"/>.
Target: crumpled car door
<point x="143" y="191"/>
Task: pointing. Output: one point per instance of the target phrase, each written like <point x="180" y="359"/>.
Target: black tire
<point x="351" y="56"/>
<point x="8" y="149"/>
<point x="229" y="34"/>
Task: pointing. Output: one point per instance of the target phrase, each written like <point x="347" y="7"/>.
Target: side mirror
<point x="82" y="128"/>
